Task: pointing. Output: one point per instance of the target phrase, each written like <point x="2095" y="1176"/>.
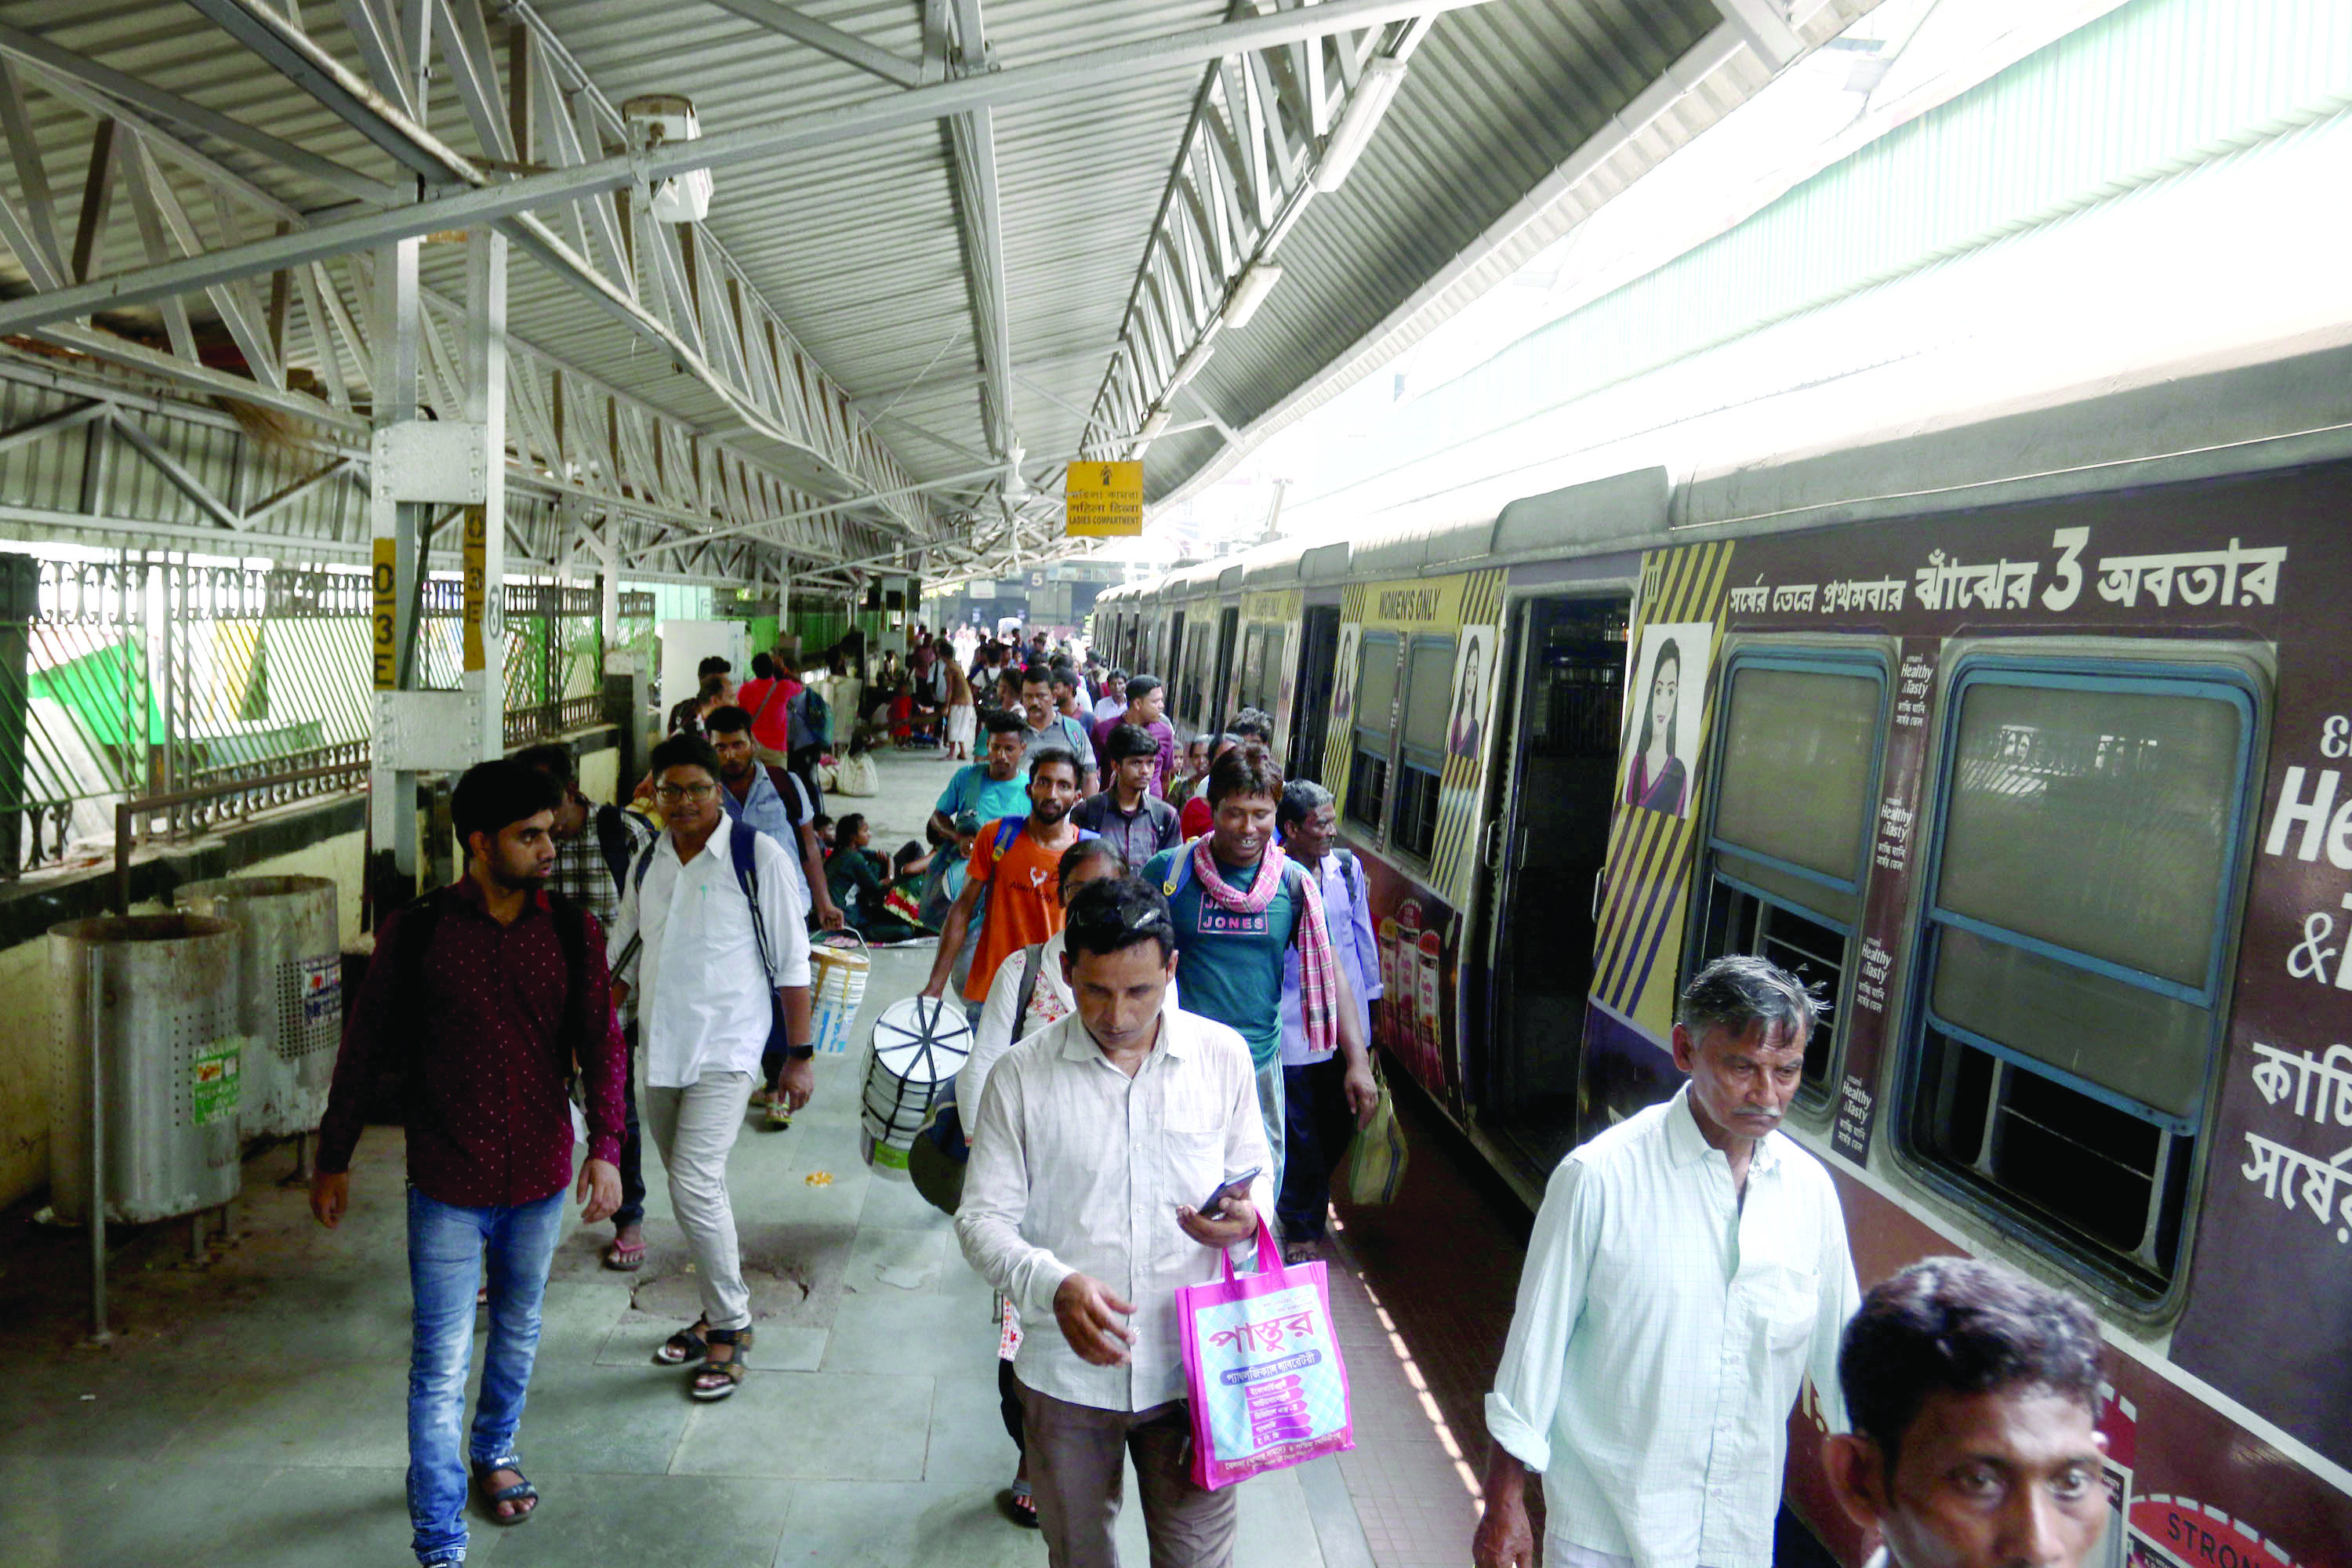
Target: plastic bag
<point x="1377" y="1157"/>
<point x="1262" y="1368"/>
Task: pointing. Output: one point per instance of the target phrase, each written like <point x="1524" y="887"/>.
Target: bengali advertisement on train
<point x="2254" y="565"/>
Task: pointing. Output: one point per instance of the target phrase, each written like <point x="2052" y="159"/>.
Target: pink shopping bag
<point x="1263" y="1369"/>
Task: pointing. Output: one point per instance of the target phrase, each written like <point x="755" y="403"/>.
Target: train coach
<point x="2024" y="737"/>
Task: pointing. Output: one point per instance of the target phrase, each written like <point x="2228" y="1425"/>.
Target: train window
<point x="2070" y="960"/>
<point x="1798" y="769"/>
<point x="1253" y="668"/>
<point x="1375" y="722"/>
<point x="1421" y="762"/>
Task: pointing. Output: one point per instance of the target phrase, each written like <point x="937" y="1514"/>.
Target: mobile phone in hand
<point x="1216" y="1200"/>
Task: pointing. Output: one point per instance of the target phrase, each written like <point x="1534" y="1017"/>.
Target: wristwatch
<point x="798" y="1053"/>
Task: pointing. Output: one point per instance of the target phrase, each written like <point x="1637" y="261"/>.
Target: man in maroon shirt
<point x="1146" y="710"/>
<point x="482" y="997"/>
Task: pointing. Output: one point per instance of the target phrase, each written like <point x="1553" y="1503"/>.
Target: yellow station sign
<point x="384" y="615"/>
<point x="1103" y="500"/>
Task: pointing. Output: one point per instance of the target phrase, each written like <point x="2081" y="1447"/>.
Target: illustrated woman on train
<point x="1656" y="780"/>
<point x="1462" y="737"/>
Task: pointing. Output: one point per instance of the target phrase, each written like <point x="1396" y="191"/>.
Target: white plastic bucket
<point x="919" y="1045"/>
<point x="836" y="989"/>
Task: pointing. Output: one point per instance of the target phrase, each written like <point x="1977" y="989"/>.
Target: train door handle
<point x="1490" y="851"/>
<point x="1599" y="880"/>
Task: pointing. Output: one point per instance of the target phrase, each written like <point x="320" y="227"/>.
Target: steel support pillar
<point x="486" y="530"/>
<point x="395" y="527"/>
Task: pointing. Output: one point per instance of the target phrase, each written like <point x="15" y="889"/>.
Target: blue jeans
<point x="446" y="1248"/>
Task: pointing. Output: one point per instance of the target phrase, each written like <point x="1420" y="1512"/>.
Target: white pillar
<point x="394" y="527"/>
<point x="484" y="538"/>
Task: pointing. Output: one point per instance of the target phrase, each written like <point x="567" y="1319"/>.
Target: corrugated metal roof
<point x="858" y="245"/>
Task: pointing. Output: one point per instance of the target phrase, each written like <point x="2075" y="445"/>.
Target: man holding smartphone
<point x="1093" y="1142"/>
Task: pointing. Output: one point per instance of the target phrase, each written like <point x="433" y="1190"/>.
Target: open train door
<point x="1567" y="660"/>
<point x="1318" y="657"/>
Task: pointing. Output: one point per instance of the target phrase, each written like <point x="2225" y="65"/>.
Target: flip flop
<point x="625" y="1259"/>
<point x="1016" y="1503"/>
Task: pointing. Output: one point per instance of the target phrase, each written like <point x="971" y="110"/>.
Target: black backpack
<point x="421" y="920"/>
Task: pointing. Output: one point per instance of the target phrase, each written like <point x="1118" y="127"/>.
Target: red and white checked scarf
<point x="1318" y="973"/>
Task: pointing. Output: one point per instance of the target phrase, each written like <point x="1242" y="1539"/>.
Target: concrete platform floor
<point x="250" y="1407"/>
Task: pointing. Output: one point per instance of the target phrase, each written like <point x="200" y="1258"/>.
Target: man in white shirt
<point x="1094" y="1140"/>
<point x="1113" y="700"/>
<point x="714" y="923"/>
<point x="1688" y="1270"/>
<point x="1975" y="1397"/>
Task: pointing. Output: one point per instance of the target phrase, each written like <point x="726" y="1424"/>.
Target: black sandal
<point x="521" y="1492"/>
<point x="683" y="1346"/>
<point x="729" y="1373"/>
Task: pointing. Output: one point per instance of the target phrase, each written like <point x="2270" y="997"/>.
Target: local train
<point x="2025" y="737"/>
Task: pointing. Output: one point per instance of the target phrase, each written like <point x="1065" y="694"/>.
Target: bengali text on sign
<point x="1103" y="500"/>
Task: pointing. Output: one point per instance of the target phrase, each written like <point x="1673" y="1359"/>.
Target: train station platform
<point x="250" y="1409"/>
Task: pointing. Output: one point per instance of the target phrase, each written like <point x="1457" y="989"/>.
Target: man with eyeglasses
<point x="712" y="921"/>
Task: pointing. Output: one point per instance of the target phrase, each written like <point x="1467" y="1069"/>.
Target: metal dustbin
<point x="289" y="995"/>
<point x="152" y="1000"/>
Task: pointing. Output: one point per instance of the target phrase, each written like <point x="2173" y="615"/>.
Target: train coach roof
<point x="1273" y="565"/>
<point x="1189" y="580"/>
<point x="2198" y="422"/>
<point x="1406" y="551"/>
<point x="1325" y="563"/>
<point x="1619" y="509"/>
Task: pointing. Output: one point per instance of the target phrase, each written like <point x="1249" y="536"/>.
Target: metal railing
<point x="227" y="690"/>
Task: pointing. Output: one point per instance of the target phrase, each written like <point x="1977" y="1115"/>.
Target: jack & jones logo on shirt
<point x="1225" y="922"/>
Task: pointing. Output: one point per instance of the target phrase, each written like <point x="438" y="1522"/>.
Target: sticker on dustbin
<point x="321" y="981"/>
<point x="213" y="1089"/>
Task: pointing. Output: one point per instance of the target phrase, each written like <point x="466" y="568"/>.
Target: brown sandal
<point x="714" y="1379"/>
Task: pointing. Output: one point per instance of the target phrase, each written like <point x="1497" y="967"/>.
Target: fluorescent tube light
<point x="1190" y="366"/>
<point x="1257" y="281"/>
<point x="1358" y="122"/>
<point x="1154" y="423"/>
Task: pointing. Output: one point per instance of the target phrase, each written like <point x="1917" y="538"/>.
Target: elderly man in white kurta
<point x="1688" y="1270"/>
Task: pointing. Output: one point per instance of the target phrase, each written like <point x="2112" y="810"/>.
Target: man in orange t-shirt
<point x="1020" y="881"/>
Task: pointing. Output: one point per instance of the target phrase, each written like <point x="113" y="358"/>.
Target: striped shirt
<point x="1663" y="1333"/>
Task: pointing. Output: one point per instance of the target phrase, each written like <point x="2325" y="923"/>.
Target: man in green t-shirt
<point x="1238" y="906"/>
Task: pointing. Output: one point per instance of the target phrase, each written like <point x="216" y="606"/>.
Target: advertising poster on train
<point x="2232" y="588"/>
<point x="1469" y="740"/>
<point x="1343" y="712"/>
<point x="1643" y="904"/>
<point x="1663" y="713"/>
<point x="1473" y="663"/>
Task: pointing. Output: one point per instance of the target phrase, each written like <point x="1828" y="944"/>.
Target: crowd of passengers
<point x="1168" y="961"/>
